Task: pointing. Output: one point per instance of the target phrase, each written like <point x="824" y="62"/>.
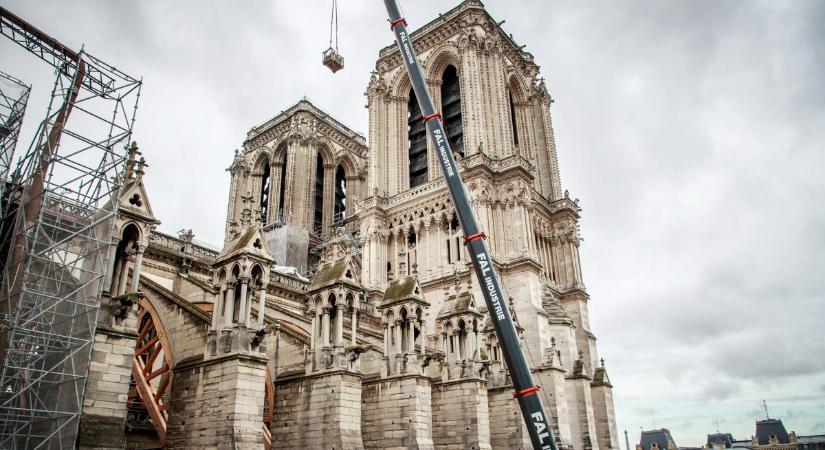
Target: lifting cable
<point x="333" y="23"/>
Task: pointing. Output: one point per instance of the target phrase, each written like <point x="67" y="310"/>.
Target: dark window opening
<point x="451" y="106"/>
<point x="282" y="187"/>
<point x="417" y="135"/>
<point x="513" y="122"/>
<point x="319" y="193"/>
<point x="340" y="212"/>
<point x="264" y="195"/>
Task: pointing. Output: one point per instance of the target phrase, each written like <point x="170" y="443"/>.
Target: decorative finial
<point x="602" y="361"/>
<point x="581" y="355"/>
<point x="139" y="172"/>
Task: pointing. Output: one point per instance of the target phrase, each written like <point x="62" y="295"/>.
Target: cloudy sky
<point x="692" y="131"/>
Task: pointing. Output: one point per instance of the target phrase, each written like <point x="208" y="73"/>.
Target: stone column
<point x="325" y="326"/>
<point x="386" y="339"/>
<point x="354" y="324"/>
<point x="217" y="307"/>
<point x="421" y="339"/>
<point x="262" y="305"/>
<point x="397" y="337"/>
<point x="312" y="340"/>
<point x="339" y="323"/>
<point x="411" y="337"/>
<point x="242" y="305"/>
<point x="229" y="306"/>
<point x="124" y="276"/>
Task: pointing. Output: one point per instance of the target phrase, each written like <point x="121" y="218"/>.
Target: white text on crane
<point x="491" y="287"/>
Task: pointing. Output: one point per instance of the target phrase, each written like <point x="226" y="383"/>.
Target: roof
<point x="771" y="427"/>
<point x="307" y="106"/>
<point x="659" y="437"/>
<point x="454" y="305"/>
<point x="333" y="273"/>
<point x="720" y="438"/>
<point x="249" y="241"/>
<point x="405" y="289"/>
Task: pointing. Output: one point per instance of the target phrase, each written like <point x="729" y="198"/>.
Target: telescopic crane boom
<point x="538" y="423"/>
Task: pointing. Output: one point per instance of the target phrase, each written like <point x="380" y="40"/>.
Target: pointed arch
<point x="417" y="139"/>
<point x="280" y="155"/>
<point x="451" y="109"/>
<point x="262" y="169"/>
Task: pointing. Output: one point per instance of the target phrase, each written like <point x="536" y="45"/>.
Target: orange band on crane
<point x="472" y="237"/>
<point x="435" y="115"/>
<point x="528" y="391"/>
<point x="396" y="22"/>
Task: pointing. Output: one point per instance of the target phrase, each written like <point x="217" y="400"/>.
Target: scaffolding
<point x="14" y="94"/>
<point x="65" y="195"/>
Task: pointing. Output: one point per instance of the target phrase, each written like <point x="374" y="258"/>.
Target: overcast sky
<point x="693" y="132"/>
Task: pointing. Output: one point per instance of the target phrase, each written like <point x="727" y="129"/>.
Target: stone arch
<point x="443" y="56"/>
<point x="262" y="188"/>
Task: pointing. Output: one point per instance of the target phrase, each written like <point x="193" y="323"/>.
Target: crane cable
<point x="333" y="19"/>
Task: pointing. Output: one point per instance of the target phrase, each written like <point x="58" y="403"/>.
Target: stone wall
<point x="461" y="420"/>
<point x="397" y="413"/>
<point x="507" y="428"/>
<point x="605" y="417"/>
<point x="318" y="411"/>
<point x="218" y="403"/>
<point x="103" y="423"/>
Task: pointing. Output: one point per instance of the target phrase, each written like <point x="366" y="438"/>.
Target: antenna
<point x="765" y="407"/>
<point x="626" y="439"/>
<point x="717" y="424"/>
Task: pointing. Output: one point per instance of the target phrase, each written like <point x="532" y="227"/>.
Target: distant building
<point x="770" y="435"/>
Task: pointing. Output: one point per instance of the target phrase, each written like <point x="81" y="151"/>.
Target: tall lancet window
<point x="319" y="193"/>
<point x="513" y="122"/>
<point x="340" y="195"/>
<point x="417" y="134"/>
<point x="264" y="194"/>
<point x="282" y="187"/>
<point x="451" y="109"/>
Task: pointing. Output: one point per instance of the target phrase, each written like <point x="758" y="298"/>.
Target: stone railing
<point x="176" y="245"/>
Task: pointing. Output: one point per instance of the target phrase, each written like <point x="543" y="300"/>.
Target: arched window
<point x="319" y="193"/>
<point x="417" y="134"/>
<point x="282" y="187"/>
<point x="340" y="210"/>
<point x="264" y="194"/>
<point x="451" y="106"/>
<point x="513" y="122"/>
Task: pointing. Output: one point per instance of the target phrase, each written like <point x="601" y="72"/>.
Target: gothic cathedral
<point x="341" y="311"/>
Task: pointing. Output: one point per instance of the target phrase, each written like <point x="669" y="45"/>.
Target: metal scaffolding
<point x="14" y="94"/>
<point x="65" y="201"/>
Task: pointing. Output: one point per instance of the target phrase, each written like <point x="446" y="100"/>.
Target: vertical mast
<point x="538" y="423"/>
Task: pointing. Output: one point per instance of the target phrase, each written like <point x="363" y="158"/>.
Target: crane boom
<point x="538" y="423"/>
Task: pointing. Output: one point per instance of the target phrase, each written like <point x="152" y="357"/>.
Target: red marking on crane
<point x="396" y="22"/>
<point x="435" y="115"/>
<point x="472" y="237"/>
<point x="528" y="391"/>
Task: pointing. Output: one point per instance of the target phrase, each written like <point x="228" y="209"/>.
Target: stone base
<point x="397" y="413"/>
<point x="509" y="430"/>
<point x="461" y="420"/>
<point x="103" y="423"/>
<point x="318" y="411"/>
<point x="218" y="403"/>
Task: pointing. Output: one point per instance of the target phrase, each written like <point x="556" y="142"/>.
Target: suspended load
<point x="331" y="58"/>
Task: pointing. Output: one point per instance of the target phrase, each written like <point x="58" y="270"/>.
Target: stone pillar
<point x="422" y="338"/>
<point x="339" y="323"/>
<point x="124" y="276"/>
<point x="461" y="418"/>
<point x="242" y="305"/>
<point x="312" y="341"/>
<point x="217" y="308"/>
<point x="325" y="326"/>
<point x="234" y="384"/>
<point x="322" y="411"/>
<point x="138" y="264"/>
<point x="397" y="413"/>
<point x="262" y="305"/>
<point x="386" y="339"/>
<point x="411" y="336"/>
<point x="398" y="349"/>
<point x="354" y="324"/>
<point x="229" y="306"/>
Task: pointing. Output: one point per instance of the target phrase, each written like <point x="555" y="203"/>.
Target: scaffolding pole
<point x="58" y="252"/>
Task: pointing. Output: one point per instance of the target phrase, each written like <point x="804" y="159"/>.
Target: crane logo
<point x="541" y="429"/>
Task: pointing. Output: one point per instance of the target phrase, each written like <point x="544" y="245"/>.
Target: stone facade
<point x="340" y="311"/>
